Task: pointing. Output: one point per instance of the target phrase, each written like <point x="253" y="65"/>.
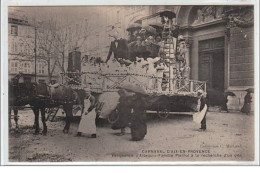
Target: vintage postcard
<point x="97" y="84"/>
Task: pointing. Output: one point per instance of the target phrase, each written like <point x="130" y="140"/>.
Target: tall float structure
<point x="167" y="86"/>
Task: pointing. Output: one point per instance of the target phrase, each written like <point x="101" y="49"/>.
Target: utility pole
<point x="35" y="55"/>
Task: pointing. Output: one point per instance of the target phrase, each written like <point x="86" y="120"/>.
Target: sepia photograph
<point x="131" y="84"/>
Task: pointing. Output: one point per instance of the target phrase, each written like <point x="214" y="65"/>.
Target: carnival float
<point x="156" y="67"/>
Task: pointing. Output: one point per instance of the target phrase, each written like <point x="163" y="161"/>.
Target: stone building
<point x="221" y="47"/>
<point x="21" y="46"/>
<point x="220" y="42"/>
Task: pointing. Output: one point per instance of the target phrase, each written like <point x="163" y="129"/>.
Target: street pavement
<point x="229" y="137"/>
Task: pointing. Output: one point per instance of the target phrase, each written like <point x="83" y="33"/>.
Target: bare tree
<point x="57" y="38"/>
<point x="45" y="42"/>
<point x="67" y="36"/>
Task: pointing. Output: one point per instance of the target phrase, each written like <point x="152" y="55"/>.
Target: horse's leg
<point x="16" y="118"/>
<point x="44" y="132"/>
<point x="36" y="114"/>
<point x="68" y="111"/>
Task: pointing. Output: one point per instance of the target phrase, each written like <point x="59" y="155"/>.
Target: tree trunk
<point x="49" y="68"/>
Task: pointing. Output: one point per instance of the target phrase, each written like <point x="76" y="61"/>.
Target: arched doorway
<point x="204" y="28"/>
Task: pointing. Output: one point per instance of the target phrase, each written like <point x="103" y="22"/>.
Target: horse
<point x="39" y="97"/>
<point x="44" y="98"/>
<point x="16" y="98"/>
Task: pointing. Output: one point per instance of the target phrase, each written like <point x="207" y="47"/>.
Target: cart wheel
<point x="113" y="117"/>
<point x="163" y="114"/>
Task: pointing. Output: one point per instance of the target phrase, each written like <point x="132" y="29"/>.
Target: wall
<point x="21" y="52"/>
<point x="241" y="57"/>
<point x="241" y="65"/>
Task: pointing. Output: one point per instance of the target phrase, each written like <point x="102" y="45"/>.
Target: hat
<point x="167" y="12"/>
<point x="133" y="27"/>
<point x="115" y="33"/>
<point x="133" y="87"/>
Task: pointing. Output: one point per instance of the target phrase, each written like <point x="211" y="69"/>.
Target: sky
<point x="62" y="13"/>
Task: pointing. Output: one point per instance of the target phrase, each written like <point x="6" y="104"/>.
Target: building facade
<point x="221" y="47"/>
<point x="21" y="51"/>
<point x="219" y="39"/>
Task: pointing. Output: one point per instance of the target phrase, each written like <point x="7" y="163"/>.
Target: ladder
<point x="168" y="48"/>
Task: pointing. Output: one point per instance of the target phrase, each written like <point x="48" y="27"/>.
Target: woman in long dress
<point x="87" y="123"/>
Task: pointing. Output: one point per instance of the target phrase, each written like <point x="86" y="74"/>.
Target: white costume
<point x="87" y="123"/>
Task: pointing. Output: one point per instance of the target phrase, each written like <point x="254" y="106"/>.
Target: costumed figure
<point x="136" y="48"/>
<point x="138" y="120"/>
<point x="119" y="47"/>
<point x="123" y="111"/>
<point x="159" y="76"/>
<point x="151" y="71"/>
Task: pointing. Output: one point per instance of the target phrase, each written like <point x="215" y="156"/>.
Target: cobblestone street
<point x="229" y="136"/>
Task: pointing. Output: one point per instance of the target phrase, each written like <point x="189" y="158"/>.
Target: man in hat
<point x="135" y="48"/>
<point x="119" y="47"/>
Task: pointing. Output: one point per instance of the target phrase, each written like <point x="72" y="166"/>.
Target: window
<point x="41" y="68"/>
<point x="26" y="67"/>
<point x="21" y="47"/>
<point x="14" y="30"/>
<point x="27" y="49"/>
<point x="14" y="47"/>
<point x="14" y="66"/>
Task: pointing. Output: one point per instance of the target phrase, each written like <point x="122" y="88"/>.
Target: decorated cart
<point x="164" y="79"/>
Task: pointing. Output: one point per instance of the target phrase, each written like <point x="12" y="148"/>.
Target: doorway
<point x="211" y="68"/>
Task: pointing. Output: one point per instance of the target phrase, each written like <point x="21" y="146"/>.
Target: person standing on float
<point x="119" y="46"/>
